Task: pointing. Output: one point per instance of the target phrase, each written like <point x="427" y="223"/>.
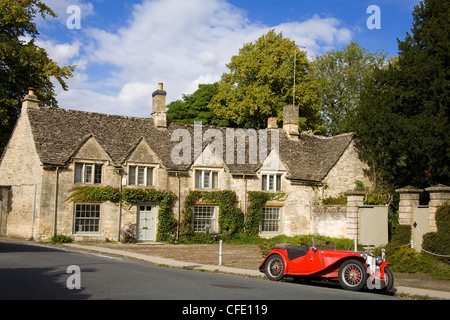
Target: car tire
<point x="274" y="267"/>
<point x="352" y="275"/>
<point x="389" y="281"/>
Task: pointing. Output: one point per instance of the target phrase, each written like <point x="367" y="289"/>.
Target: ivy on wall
<point x="231" y="219"/>
<point x="166" y="222"/>
<point x="257" y="200"/>
<point x="94" y="194"/>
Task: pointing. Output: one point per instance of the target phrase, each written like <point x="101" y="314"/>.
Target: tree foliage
<point x="403" y="120"/>
<point x="261" y="82"/>
<point x="341" y="74"/>
<point x="23" y="63"/>
<point x="194" y="107"/>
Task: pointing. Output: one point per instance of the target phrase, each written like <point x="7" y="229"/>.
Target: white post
<point x="412" y="244"/>
<point x="220" y="253"/>
<point x="356" y="244"/>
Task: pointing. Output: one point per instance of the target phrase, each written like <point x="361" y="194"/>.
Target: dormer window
<point x="205" y="179"/>
<point x="140" y="176"/>
<point x="271" y="182"/>
<point x="88" y="173"/>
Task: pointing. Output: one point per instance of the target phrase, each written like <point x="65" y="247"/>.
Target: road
<point x="30" y="271"/>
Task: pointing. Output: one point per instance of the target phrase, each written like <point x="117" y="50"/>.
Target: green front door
<point x="146" y="222"/>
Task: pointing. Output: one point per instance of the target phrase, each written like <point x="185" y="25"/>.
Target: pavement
<point x="398" y="291"/>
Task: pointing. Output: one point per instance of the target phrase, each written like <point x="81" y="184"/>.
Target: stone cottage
<point x="53" y="150"/>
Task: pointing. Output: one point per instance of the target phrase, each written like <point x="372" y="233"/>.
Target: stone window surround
<point x="213" y="221"/>
<point x="213" y="179"/>
<point x="84" y="163"/>
<point x="136" y="182"/>
<point x="265" y="182"/>
<point x="75" y="218"/>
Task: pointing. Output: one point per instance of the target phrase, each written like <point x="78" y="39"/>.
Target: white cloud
<point x="180" y="43"/>
<point x="60" y="53"/>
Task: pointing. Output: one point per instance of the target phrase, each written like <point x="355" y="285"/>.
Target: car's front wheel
<point x="274" y="268"/>
<point x="352" y="275"/>
<point x="389" y="281"/>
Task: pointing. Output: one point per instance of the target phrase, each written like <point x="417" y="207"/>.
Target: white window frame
<point x="88" y="172"/>
<point x="201" y="223"/>
<point x="86" y="216"/>
<point x="268" y="223"/>
<point x="135" y="170"/>
<point x="206" y="179"/>
<point x="271" y="182"/>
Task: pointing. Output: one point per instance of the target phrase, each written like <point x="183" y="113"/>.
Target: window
<point x="140" y="176"/>
<point x="270" y="219"/>
<point x="271" y="182"/>
<point x="206" y="179"/>
<point x="88" y="173"/>
<point x="204" y="218"/>
<point x="87" y="218"/>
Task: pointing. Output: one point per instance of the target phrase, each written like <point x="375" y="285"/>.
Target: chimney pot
<point x="30" y="101"/>
<point x="272" y="123"/>
<point x="160" y="86"/>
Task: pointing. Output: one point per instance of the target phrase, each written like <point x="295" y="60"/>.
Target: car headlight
<point x="379" y="261"/>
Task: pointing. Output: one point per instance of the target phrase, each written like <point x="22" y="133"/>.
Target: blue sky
<point x="124" y="48"/>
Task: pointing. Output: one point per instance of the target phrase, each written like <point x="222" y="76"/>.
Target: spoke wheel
<point x="274" y="269"/>
<point x="352" y="275"/>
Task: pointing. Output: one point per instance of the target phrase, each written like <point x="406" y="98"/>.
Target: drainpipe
<point x="33" y="213"/>
<point x="120" y="200"/>
<point x="245" y="197"/>
<point x="179" y="206"/>
<point x="56" y="202"/>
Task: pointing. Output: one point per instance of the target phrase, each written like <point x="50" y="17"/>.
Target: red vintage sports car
<point x="353" y="270"/>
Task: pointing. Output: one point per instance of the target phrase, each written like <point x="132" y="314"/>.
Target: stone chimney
<point x="159" y="107"/>
<point x="272" y="123"/>
<point x="30" y="101"/>
<point x="290" y="121"/>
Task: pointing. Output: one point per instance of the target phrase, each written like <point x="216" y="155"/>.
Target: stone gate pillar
<point x="355" y="199"/>
<point x="439" y="195"/>
<point x="409" y="199"/>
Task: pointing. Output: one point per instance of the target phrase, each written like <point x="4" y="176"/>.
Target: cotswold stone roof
<point x="59" y="133"/>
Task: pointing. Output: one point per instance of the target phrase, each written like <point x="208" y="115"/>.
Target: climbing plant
<point x="231" y="219"/>
<point x="257" y="200"/>
<point x="94" y="194"/>
<point x="166" y="222"/>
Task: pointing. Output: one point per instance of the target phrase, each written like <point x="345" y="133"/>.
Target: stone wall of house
<point x="20" y="169"/>
<point x="343" y="175"/>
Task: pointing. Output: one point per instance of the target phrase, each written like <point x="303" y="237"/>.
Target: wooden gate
<point x="373" y="225"/>
<point x="421" y="225"/>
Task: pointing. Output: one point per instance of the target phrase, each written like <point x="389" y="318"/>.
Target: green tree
<point x="403" y="119"/>
<point x="194" y="107"/>
<point x="341" y="75"/>
<point x="261" y="82"/>
<point x="22" y="63"/>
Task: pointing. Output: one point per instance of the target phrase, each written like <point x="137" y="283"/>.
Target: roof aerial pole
<point x="295" y="68"/>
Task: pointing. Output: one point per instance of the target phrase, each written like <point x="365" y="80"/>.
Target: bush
<point x="408" y="260"/>
<point x="402" y="235"/>
<point x="443" y="218"/>
<point x="340" y="200"/>
<point x="61" y="239"/>
<point x="439" y="242"/>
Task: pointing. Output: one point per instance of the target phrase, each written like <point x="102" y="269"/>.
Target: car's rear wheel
<point x="352" y="275"/>
<point x="274" y="268"/>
